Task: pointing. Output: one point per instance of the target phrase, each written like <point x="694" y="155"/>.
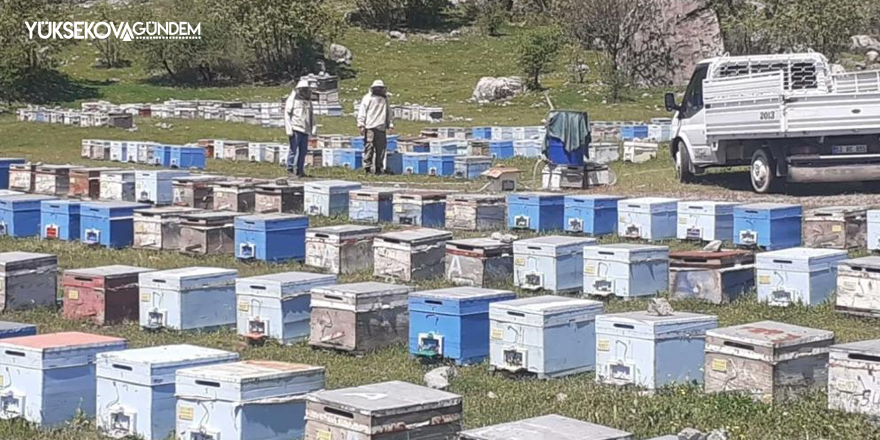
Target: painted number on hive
<point x="768" y="116"/>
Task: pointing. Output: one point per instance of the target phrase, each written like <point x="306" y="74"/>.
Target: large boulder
<point x="340" y="54"/>
<point x="495" y="89"/>
<point x="864" y="43"/>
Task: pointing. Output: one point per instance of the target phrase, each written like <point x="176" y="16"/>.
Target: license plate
<point x="849" y="149"/>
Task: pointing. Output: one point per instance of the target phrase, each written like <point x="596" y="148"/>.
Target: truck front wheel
<point x="763" y="172"/>
<point x="683" y="166"/>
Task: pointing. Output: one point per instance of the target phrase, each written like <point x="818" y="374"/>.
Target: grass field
<point x="444" y="74"/>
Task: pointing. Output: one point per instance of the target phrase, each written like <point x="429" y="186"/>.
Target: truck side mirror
<point x="671" y="106"/>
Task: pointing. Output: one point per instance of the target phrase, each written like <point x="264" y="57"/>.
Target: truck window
<point x="693" y="97"/>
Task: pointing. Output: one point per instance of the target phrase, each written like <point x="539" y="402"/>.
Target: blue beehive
<point x="446" y="145"/>
<point x="162" y="155"/>
<point x="59" y="219"/>
<point x="797" y="275"/>
<point x="536" y="211"/>
<point x="481" y="133"/>
<point x="705" y="221"/>
<point x="420" y="208"/>
<point x="328" y="197"/>
<point x="351" y="158"/>
<point x="391" y="145"/>
<point x="415" y="163"/>
<point x="4" y="169"/>
<point x="630" y="132"/>
<point x="277" y="306"/>
<point x="271" y="237"/>
<point x="371" y="205"/>
<point x="357" y="142"/>
<point x="441" y="164"/>
<point x="20" y="215"/>
<point x="394" y="162"/>
<point x="110" y="224"/>
<point x="136" y="391"/>
<point x="157" y="187"/>
<point x="591" y="214"/>
<point x="189" y="298"/>
<point x="47" y="379"/>
<point x="527" y="147"/>
<point x="550" y="263"/>
<point x="471" y="167"/>
<point x="649" y="218"/>
<point x="625" y="270"/>
<point x="187" y="157"/>
<point x="14" y="329"/>
<point x="501" y="149"/>
<point x="771" y="226"/>
<point x="650" y="351"/>
<point x="249" y="400"/>
<point x="557" y="154"/>
<point x="452" y="323"/>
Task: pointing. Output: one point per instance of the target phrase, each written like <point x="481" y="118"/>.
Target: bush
<point x="22" y="59"/>
<point x="536" y="51"/>
<point x="490" y="15"/>
<point x="394" y="14"/>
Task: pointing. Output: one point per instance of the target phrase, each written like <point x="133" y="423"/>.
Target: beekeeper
<point x="374" y="122"/>
<point x="299" y="121"/>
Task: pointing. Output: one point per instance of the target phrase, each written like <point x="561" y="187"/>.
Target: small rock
<point x="865" y="43"/>
<point x="340" y="54"/>
<point x="660" y="307"/>
<point x="500" y="236"/>
<point x="718" y="434"/>
<point x="495" y="89"/>
<point x="397" y="35"/>
<point x="438" y="378"/>
<point x="872" y="56"/>
<point x="713" y="246"/>
<point x="491" y="395"/>
<point x="689" y="434"/>
<point x="562" y="397"/>
<point x="837" y="68"/>
<point x="455" y="33"/>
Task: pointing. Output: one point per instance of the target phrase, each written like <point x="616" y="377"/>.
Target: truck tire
<point x="683" y="166"/>
<point x="762" y="173"/>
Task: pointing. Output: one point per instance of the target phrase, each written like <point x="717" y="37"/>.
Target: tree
<point x="110" y="48"/>
<point x="536" y="51"/>
<point x="490" y="15"/>
<point x="393" y="14"/>
<point x="23" y="60"/>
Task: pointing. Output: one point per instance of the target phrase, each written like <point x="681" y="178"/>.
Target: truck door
<point x="692" y="118"/>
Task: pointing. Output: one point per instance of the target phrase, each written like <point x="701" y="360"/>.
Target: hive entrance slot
<point x="864" y="357"/>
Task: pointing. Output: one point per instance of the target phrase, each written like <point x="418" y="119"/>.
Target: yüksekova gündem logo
<point x="101" y="30"/>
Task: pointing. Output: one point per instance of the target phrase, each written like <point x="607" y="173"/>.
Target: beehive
<point x="281" y="197"/>
<point x="271" y="237"/>
<point x="371" y="205"/>
<point x="420" y="208"/>
<point x="118" y="186"/>
<point x="53" y="180"/>
<point x="85" y="183"/>
<point x="59" y="219"/>
<point x="14" y="329"/>
<point x="546" y="427"/>
<point x="475" y="212"/>
<point x="557" y="177"/>
<point x="109" y="224"/>
<point x="410" y="255"/>
<point x="248" y="400"/>
<point x="21" y="176"/>
<point x="651" y="351"/>
<point x="5" y="163"/>
<point x="854" y="377"/>
<point x="159" y="228"/>
<point x="190" y="298"/>
<point x="625" y="270"/>
<point x="277" y="306"/>
<point x="208" y="232"/>
<point x="235" y="195"/>
<point x="232" y="150"/>
<point x="452" y="323"/>
<point x="549" y="336"/>
<point x="359" y="317"/>
<point x="383" y="411"/>
<point x="195" y="191"/>
<point x="328" y="197"/>
<point x="478" y="261"/>
<point x="717" y="277"/>
<point x="797" y="275"/>
<point x="770" y="226"/>
<point x="136" y="388"/>
<point x="415" y="163"/>
<point x="103" y="295"/>
<point x="27" y="280"/>
<point x="649" y="218"/>
<point x="705" y="221"/>
<point x="591" y="214"/>
<point x="20" y="215"/>
<point x="858" y="286"/>
<point x="549" y="263"/>
<point x="836" y="227"/>
<point x="535" y="211"/>
<point x="470" y="167"/>
<point x="48" y="379"/>
<point x="157" y="187"/>
<point x="770" y="361"/>
<point x="341" y="249"/>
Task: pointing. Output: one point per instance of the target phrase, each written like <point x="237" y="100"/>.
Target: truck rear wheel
<point x="763" y="172"/>
<point x="683" y="166"/>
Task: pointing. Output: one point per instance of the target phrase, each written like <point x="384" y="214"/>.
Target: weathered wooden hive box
<point x="359" y="317"/>
<point x="248" y="400"/>
<point x="5" y="163"/>
<point x="27" y="280"/>
<point x="314" y="159"/>
<point x="189" y="298"/>
<point x="328" y="197"/>
<point x="85" y="183"/>
<point x="546" y="427"/>
<point x="536" y="211"/>
<point x="157" y="186"/>
<point x="550" y="263"/>
<point x="103" y="295"/>
<point x="59" y="219"/>
<point x="854" y="377"/>
<point x="858" y="286"/>
<point x="21" y="176"/>
<point x="559" y="177"/>
<point x="208" y="232"/>
<point x="651" y="351"/>
<point x="591" y="214"/>
<point x="625" y="270"/>
<point x="341" y="249"/>
<point x="410" y="255"/>
<point x="236" y="195"/>
<point x="420" y="208"/>
<point x="475" y="212"/>
<point x="452" y="323"/>
<point x="100" y="150"/>
<point x="48" y="379"/>
<point x="271" y="237"/>
<point x="470" y="167"/>
<point x="159" y="228"/>
<point x="479" y="147"/>
<point x="383" y="411"/>
<point x="648" y="218"/>
<point x="10" y="329"/>
<point x="53" y="180"/>
<point x="372" y="205"/>
<point x="478" y="261"/>
<point x="797" y="275"/>
<point x="136" y="388"/>
<point x="277" y="306"/>
<point x="705" y="221"/>
<point x="549" y="336"/>
<point x="718" y="277"/>
<point x="769" y="361"/>
<point x="234" y="150"/>
<point x="20" y="215"/>
<point x="283" y="197"/>
<point x="195" y="191"/>
<point x="208" y="145"/>
<point x="109" y="224"/>
<point x="836" y="227"/>
<point x="146" y="152"/>
<point x="118" y="186"/>
<point x="770" y="226"/>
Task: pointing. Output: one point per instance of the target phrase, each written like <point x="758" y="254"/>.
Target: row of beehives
<point x="415" y="112"/>
<point x="148" y="153"/>
<point x="657" y="130"/>
<point x="74" y="117"/>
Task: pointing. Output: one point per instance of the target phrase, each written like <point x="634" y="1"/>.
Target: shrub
<point x="536" y="50"/>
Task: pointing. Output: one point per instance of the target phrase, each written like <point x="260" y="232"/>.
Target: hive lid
<point x="800" y="254"/>
<point x="50" y="342"/>
<point x="477" y="197"/>
<point x="363" y="289"/>
<point x="725" y="258"/>
<point x="655" y="327"/>
<point x="840" y="210"/>
<point x="92" y="170"/>
<point x="481" y="243"/>
<point x="249" y="371"/>
<point x="200" y="178"/>
<point x="114" y="205"/>
<point x="6" y="326"/>
<point x="416" y="235"/>
<point x="188" y="278"/>
<point x="327" y="184"/>
<point x="167" y="211"/>
<point x="168" y="355"/>
<point x="345" y="230"/>
<point x="373" y="190"/>
<point x="386" y="398"/>
<point x="649" y="200"/>
<point x="767" y="206"/>
<point x="557" y="240"/>
<point x="872" y="262"/>
<point x="26" y="198"/>
<point x="282" y="285"/>
<point x="12" y="260"/>
<point x="868" y="348"/>
<point x="550" y="427"/>
<point x="107" y="271"/>
<point x="462" y="293"/>
<point x="537" y="194"/>
<point x="548" y="305"/>
<point x="771" y="334"/>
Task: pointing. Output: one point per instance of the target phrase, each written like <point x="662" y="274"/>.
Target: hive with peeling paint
<point x="797" y="275"/>
<point x="858" y="286"/>
<point x="341" y="249"/>
<point x="836" y="227"/>
<point x="854" y="377"/>
<point x="410" y="255"/>
<point x="27" y="280"/>
<point x="546" y="427"/>
<point x="478" y="261"/>
<point x="103" y="295"/>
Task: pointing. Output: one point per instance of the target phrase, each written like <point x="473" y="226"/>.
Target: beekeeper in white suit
<point x="374" y="122"/>
<point x="299" y="122"/>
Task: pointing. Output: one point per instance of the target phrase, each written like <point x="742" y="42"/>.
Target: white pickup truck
<point x="787" y="116"/>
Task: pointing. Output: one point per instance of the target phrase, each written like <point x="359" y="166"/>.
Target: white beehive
<point x="189" y="298"/>
<point x="550" y="427"/>
<point x="854" y="377"/>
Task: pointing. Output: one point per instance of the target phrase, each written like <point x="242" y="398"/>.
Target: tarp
<point x="571" y="127"/>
